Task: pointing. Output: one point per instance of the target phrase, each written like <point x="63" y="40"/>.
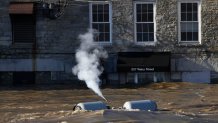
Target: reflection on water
<point x="177" y="102"/>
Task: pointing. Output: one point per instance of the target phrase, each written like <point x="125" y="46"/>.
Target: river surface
<point x="177" y="102"/>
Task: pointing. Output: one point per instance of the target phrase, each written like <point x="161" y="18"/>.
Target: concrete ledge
<point x="29" y="64"/>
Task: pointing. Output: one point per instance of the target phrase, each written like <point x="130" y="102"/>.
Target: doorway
<point x="24" y="78"/>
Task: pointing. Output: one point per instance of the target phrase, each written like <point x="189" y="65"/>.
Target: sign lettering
<point x="139" y="69"/>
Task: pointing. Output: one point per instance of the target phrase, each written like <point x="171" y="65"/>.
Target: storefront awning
<point x="21" y="8"/>
<point x="143" y="62"/>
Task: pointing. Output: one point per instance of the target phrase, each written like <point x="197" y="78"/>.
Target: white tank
<point x="90" y="106"/>
<point x="147" y="105"/>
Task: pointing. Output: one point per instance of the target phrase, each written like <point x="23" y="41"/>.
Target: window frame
<point x="154" y="21"/>
<point x="110" y="20"/>
<point x="198" y="17"/>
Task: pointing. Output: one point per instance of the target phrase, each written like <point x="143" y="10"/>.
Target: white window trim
<point x="199" y="22"/>
<point x="154" y="20"/>
<point x="110" y="19"/>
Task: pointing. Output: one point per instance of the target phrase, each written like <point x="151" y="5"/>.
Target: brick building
<point x="147" y="40"/>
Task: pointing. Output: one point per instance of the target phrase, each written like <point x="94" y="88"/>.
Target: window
<point x="189" y="22"/>
<point x="144" y="22"/>
<point x="23" y="22"/>
<point x="100" y="21"/>
<point x="23" y="28"/>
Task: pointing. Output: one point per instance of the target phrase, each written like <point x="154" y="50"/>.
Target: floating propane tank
<point x="91" y="106"/>
<point x="147" y="105"/>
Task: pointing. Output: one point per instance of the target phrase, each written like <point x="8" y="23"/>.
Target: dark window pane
<point x="151" y="27"/>
<point x="150" y="7"/>
<point x="144" y="17"/>
<point x="145" y="28"/>
<point x="101" y="37"/>
<point x="144" y="8"/>
<point x="138" y="8"/>
<point x="195" y="16"/>
<point x="107" y="27"/>
<point x="100" y="18"/>
<point x="183" y="7"/>
<point x="94" y="8"/>
<point x="195" y="7"/>
<point x="189" y="7"/>
<point x="96" y="36"/>
<point x="189" y="36"/>
<point x="95" y="26"/>
<point x="103" y="34"/>
<point x="183" y="36"/>
<point x="106" y="8"/>
<point x="94" y="18"/>
<point x="151" y="36"/>
<point x="195" y="36"/>
<point x="189" y="16"/>
<point x="101" y="28"/>
<point x="145" y="36"/>
<point x="139" y="36"/>
<point x="139" y="18"/>
<point x="100" y="8"/>
<point x="107" y="37"/>
<point x="150" y="17"/>
<point x="183" y="16"/>
<point x="106" y="17"/>
<point x="139" y="27"/>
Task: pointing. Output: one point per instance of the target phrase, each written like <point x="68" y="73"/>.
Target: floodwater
<point x="177" y="102"/>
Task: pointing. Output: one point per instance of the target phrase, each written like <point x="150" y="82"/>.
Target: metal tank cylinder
<point x="147" y="105"/>
<point x="90" y="106"/>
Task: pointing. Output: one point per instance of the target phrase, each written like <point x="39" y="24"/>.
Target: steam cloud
<point x="88" y="67"/>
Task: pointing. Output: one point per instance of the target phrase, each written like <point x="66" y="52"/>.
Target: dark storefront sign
<point x="143" y="62"/>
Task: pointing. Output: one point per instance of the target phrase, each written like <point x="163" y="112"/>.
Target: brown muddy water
<point x="177" y="102"/>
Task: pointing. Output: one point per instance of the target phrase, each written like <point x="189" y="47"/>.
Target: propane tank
<point x="90" y="106"/>
<point x="147" y="105"/>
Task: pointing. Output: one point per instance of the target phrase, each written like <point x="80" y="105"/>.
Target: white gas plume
<point x="88" y="66"/>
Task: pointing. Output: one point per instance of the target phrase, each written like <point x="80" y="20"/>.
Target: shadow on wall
<point x="200" y="69"/>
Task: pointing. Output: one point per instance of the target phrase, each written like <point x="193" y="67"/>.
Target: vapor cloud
<point x="88" y="68"/>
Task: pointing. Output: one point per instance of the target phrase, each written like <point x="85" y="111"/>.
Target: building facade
<point x="146" y="40"/>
